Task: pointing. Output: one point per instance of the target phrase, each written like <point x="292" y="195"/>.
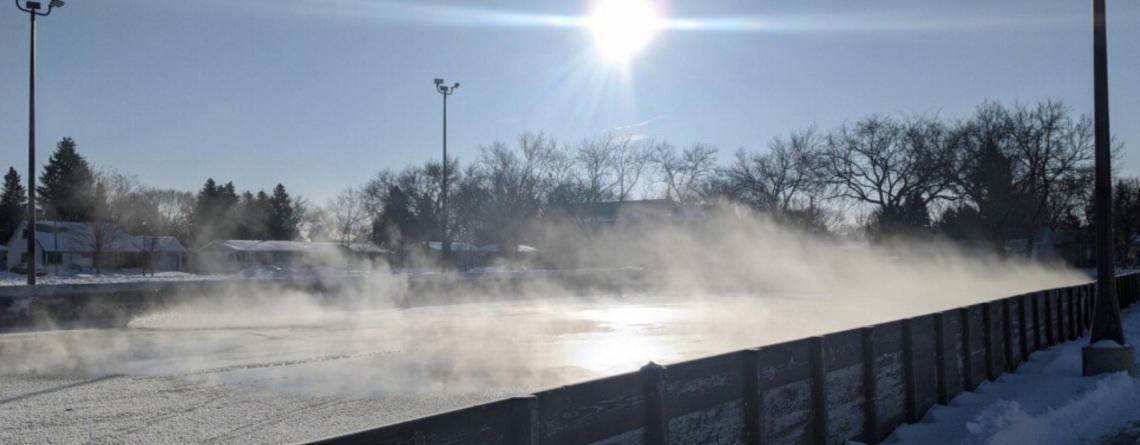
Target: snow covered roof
<point x="287" y="247"/>
<point x="459" y="246"/>
<point x="59" y="236"/>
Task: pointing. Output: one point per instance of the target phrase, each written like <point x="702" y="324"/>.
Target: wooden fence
<point x="858" y="384"/>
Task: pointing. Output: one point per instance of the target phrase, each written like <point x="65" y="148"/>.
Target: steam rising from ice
<point x="728" y="283"/>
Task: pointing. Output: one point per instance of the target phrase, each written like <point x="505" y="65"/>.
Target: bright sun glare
<point x="621" y="28"/>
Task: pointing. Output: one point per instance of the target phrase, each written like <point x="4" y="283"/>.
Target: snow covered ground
<point x="1045" y="402"/>
<point x="11" y="279"/>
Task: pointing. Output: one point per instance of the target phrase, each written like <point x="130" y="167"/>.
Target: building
<point x="76" y="246"/>
<point x="235" y="255"/>
<point x="600" y="215"/>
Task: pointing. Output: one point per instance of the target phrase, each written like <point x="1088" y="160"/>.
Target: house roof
<point x="458" y="246"/>
<point x="271" y="246"/>
<point x="60" y="236"/>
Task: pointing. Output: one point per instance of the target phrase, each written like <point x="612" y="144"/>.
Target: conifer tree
<point x="282" y="222"/>
<point x="13" y="204"/>
<point x="67" y="185"/>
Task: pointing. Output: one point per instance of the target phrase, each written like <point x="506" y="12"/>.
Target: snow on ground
<point x="1045" y="402"/>
<point x="125" y="276"/>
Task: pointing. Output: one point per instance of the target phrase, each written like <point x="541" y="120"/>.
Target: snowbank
<point x="1046" y="401"/>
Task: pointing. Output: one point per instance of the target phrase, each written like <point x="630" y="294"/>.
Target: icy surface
<point x="1045" y="402"/>
<point x="290" y="371"/>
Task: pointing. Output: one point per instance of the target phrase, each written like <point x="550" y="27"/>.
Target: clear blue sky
<point x="320" y="94"/>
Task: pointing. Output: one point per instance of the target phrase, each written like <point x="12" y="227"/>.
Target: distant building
<point x="3" y="257"/>
<point x="235" y="255"/>
<point x="76" y="245"/>
<point x="599" y="215"/>
<point x="467" y="255"/>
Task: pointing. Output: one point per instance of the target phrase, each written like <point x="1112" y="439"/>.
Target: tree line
<point x="1005" y="172"/>
<point x="72" y="190"/>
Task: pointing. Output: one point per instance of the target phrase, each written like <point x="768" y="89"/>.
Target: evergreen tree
<point x="282" y="223"/>
<point x="13" y="204"/>
<point x="396" y="224"/>
<point x="253" y="216"/>
<point x="214" y="216"/>
<point x="67" y="185"/>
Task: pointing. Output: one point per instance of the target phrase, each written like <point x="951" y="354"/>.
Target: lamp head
<point x="438" y="81"/>
<point x="455" y="86"/>
<point x="34" y="6"/>
<point x="56" y="3"/>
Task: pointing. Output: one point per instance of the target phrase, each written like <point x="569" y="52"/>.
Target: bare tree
<point x="685" y="174"/>
<point x="630" y="158"/>
<point x="348" y="217"/>
<point x="781" y="180"/>
<point x="517" y="181"/>
<point x="596" y="161"/>
<point x="1053" y="155"/>
<point x="896" y="167"/>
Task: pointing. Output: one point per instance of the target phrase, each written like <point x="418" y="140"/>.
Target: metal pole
<point x="1106" y="312"/>
<point x="31" y="234"/>
<point x="446" y="248"/>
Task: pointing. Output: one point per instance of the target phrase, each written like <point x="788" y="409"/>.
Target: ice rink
<point x="290" y="371"/>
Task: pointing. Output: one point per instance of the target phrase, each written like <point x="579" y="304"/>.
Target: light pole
<point x="1106" y="351"/>
<point x="34" y="9"/>
<point x="445" y="91"/>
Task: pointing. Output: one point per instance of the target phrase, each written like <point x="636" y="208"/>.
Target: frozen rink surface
<point x="291" y="371"/>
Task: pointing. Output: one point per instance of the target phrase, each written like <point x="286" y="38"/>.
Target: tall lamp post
<point x="34" y="9"/>
<point x="1107" y="351"/>
<point x="445" y="91"/>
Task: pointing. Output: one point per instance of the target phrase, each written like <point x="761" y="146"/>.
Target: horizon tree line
<point x="72" y="190"/>
<point x="1005" y="172"/>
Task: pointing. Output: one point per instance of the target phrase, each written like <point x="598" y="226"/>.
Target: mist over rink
<point x="193" y="375"/>
<point x="270" y="365"/>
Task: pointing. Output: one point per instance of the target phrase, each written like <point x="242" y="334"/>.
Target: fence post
<point x="752" y="419"/>
<point x="940" y="360"/>
<point x="1037" y="333"/>
<point x="1007" y="335"/>
<point x="870" y="388"/>
<point x="818" y="391"/>
<point x="988" y="338"/>
<point x="967" y="351"/>
<point x="524" y="419"/>
<point x="1022" y="331"/>
<point x="1070" y="318"/>
<point x="910" y="401"/>
<point x="656" y="430"/>
<point x="1049" y="324"/>
<point x="1080" y="311"/>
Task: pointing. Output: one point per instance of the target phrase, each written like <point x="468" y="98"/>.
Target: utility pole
<point x="1107" y="351"/>
<point x="445" y="248"/>
<point x="34" y="9"/>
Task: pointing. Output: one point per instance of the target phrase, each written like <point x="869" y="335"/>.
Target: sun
<point x="622" y="28"/>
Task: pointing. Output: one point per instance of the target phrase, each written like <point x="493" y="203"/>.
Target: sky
<point x="322" y="94"/>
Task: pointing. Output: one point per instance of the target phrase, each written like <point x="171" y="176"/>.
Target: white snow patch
<point x="1047" y="401"/>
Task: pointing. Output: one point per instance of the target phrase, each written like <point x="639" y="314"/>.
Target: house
<point x="468" y="255"/>
<point x="77" y="245"/>
<point x="235" y="255"/>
